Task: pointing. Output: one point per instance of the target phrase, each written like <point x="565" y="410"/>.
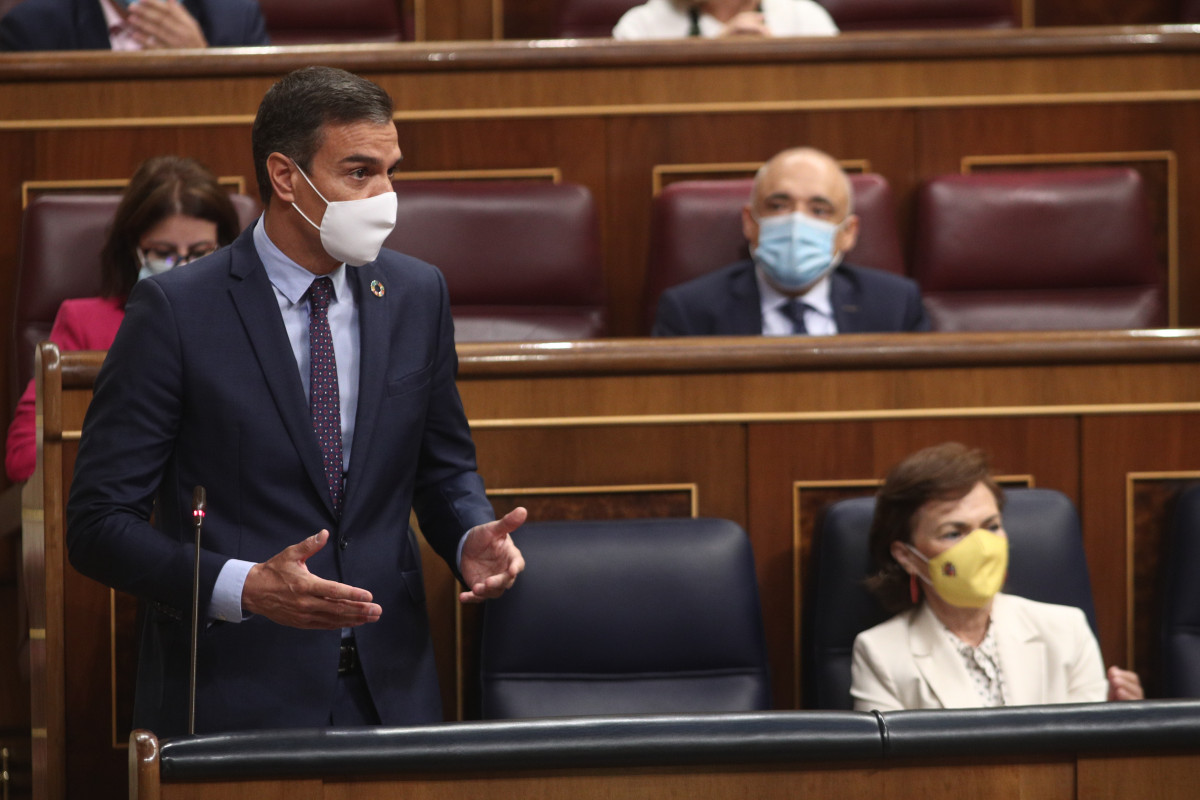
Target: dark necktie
<point x="793" y="309"/>
<point x="324" y="400"/>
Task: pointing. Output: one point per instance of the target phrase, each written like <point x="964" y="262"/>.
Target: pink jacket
<point x="86" y="323"/>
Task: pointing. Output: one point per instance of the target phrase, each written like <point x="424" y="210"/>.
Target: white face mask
<point x="352" y="231"/>
<point x="152" y="265"/>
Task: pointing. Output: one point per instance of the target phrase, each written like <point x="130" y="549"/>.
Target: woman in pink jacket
<point x="172" y="212"/>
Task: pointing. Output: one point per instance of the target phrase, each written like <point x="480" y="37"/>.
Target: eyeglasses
<point x="169" y="258"/>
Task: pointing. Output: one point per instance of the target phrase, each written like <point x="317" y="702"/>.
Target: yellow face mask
<point x="970" y="573"/>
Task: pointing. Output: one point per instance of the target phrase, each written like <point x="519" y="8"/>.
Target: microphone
<point x="198" y="504"/>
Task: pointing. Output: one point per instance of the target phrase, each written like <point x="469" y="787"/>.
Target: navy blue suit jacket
<point x="726" y="303"/>
<point x="201" y="387"/>
<point x="79" y="24"/>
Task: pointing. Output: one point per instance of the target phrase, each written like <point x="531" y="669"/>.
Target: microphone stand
<point x="198" y="504"/>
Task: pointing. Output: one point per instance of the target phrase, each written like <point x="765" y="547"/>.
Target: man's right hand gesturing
<point x="284" y="591"/>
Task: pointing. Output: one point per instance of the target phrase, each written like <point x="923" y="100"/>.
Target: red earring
<point x="913" y="591"/>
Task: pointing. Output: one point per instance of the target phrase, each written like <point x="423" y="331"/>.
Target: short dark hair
<point x="946" y="471"/>
<point x="294" y="112"/>
<point x="160" y="188"/>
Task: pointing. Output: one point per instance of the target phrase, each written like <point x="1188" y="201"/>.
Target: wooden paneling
<point x="455" y="20"/>
<point x="763" y="432"/>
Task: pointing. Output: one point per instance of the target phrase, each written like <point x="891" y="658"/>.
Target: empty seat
<point x="1038" y="250"/>
<point x="61" y="237"/>
<point x="1181" y="599"/>
<point x="521" y="259"/>
<point x="878" y="15"/>
<point x="696" y="228"/>
<point x="582" y="19"/>
<point x="323" y="21"/>
<point x="1046" y="563"/>
<point x="626" y="617"/>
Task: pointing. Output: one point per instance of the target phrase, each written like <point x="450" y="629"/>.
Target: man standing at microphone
<point x="305" y="378"/>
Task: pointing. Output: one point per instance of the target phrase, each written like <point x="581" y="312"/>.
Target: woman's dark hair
<point x="161" y="187"/>
<point x="293" y="114"/>
<point x="946" y="471"/>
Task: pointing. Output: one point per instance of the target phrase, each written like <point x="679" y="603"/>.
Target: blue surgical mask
<point x="796" y="250"/>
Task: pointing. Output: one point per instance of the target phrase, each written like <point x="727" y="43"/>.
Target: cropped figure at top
<point x="132" y="25"/>
<point x="172" y="212"/>
<point x="710" y="19"/>
<point x="941" y="555"/>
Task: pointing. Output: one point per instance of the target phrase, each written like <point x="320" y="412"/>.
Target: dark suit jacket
<point x="726" y="303"/>
<point x="201" y="388"/>
<point x="79" y="24"/>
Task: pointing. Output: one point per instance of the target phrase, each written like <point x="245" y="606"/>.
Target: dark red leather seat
<point x="61" y="237"/>
<point x="582" y="19"/>
<point x="696" y="228"/>
<point x="1038" y="250"/>
<point x="521" y="259"/>
<point x="879" y="15"/>
<point x="333" y="21"/>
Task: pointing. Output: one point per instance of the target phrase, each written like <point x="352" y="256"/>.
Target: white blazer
<point x="1047" y="652"/>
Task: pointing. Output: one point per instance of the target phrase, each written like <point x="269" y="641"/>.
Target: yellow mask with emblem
<point x="970" y="573"/>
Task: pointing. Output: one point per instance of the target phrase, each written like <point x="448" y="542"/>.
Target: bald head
<point x="818" y="171"/>
<point x="807" y="181"/>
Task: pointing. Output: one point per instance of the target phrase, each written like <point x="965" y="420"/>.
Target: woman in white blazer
<point x="940" y="553"/>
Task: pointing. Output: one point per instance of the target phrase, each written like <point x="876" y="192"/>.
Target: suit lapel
<point x="91" y="27"/>
<point x="745" y="305"/>
<point x="939" y="663"/>
<point x="258" y="309"/>
<point x="1022" y="653"/>
<point x="844" y="298"/>
<point x="374" y="326"/>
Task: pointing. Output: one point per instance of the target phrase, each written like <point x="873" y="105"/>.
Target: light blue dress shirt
<point x="290" y="282"/>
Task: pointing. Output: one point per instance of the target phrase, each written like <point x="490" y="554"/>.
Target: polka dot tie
<point x="324" y="400"/>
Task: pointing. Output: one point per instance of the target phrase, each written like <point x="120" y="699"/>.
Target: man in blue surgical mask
<point x="799" y="225"/>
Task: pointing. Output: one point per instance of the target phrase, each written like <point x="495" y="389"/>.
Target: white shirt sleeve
<point x="226" y="604"/>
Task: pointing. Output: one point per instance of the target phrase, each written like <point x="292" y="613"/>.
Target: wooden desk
<point x="623" y="118"/>
<point x="1085" y="751"/>
<point x="763" y="432"/>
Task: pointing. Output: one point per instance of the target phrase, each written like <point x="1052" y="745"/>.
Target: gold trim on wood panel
<point x="33" y="514"/>
<point x="833" y="416"/>
<point x="660" y="171"/>
<point x="1130" y="599"/>
<point x="1167" y="157"/>
<point x="628" y="488"/>
<point x="553" y="173"/>
<point x="36" y="634"/>
<point x="37" y="733"/>
<point x="125" y="122"/>
<point x="646" y="109"/>
<point x="233" y="181"/>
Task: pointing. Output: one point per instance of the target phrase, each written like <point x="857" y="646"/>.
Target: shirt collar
<point x="816" y="298"/>
<point x="289" y="278"/>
